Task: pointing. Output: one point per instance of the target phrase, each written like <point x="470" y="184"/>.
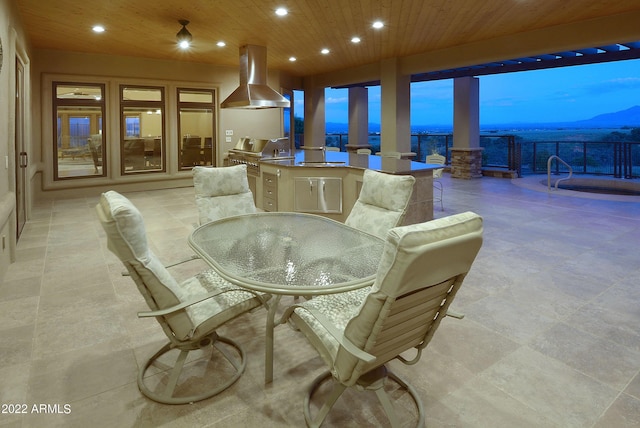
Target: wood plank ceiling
<point x="144" y="28"/>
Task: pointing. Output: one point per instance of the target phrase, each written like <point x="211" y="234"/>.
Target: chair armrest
<point x="333" y="331"/>
<point x="191" y="258"/>
<point x="193" y="301"/>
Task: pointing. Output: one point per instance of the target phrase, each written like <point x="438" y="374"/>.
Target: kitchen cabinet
<point x="318" y="194"/>
<point x="331" y="188"/>
<point x="269" y="192"/>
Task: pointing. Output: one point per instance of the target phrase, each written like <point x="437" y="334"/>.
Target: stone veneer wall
<point x="466" y="163"/>
<point x="420" y="207"/>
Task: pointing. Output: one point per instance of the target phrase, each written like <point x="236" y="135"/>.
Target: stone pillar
<point x="395" y="91"/>
<point x="466" y="154"/>
<point x="314" y="115"/>
<point x="420" y="208"/>
<point x="358" y="119"/>
<point x="466" y="163"/>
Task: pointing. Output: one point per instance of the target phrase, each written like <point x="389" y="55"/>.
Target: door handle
<point x="24" y="159"/>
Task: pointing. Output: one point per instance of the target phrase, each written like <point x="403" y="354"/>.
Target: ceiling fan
<point x="77" y="93"/>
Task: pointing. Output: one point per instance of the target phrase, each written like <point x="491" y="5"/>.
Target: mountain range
<point x="623" y="118"/>
<point x="628" y="117"/>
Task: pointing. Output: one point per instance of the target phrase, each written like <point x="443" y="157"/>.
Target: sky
<point x="540" y="96"/>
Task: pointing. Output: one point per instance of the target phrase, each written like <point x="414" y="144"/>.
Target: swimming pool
<point x="595" y="184"/>
<point x="584" y="186"/>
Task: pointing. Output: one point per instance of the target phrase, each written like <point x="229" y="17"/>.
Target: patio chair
<point x="191" y="152"/>
<point x="134" y="154"/>
<point x="222" y="192"/>
<point x="357" y="333"/>
<point x="437" y="174"/>
<point x="382" y="203"/>
<point x="188" y="312"/>
<point x="95" y="148"/>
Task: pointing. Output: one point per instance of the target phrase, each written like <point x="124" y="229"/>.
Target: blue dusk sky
<point x="542" y="96"/>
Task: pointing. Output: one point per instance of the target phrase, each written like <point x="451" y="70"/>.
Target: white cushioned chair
<point x="382" y="203"/>
<point x="222" y="192"/>
<point x="189" y="312"/>
<point x="357" y="333"/>
<point x="437" y="174"/>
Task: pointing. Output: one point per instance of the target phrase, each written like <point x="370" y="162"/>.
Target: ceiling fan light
<point x="184" y="36"/>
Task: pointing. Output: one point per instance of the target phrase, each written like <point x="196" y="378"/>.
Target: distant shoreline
<point x="435" y="129"/>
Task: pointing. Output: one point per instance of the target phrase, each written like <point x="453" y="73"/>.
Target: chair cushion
<point x="382" y="202"/>
<point x="211" y="313"/>
<point x="338" y="308"/>
<point x="126" y="235"/>
<point x="391" y="192"/>
<point x="222" y="192"/>
<point x="127" y="239"/>
<point x="416" y="256"/>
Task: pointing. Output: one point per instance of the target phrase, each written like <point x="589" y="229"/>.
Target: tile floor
<point x="551" y="336"/>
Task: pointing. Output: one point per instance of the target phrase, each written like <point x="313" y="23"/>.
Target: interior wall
<point x="13" y="40"/>
<point x="49" y="64"/>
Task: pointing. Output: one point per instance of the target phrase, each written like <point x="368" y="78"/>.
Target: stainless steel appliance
<point x="253" y="92"/>
<point x="250" y="151"/>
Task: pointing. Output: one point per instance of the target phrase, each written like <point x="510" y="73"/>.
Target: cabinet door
<point x="330" y="195"/>
<point x="305" y="198"/>
<point x="318" y="194"/>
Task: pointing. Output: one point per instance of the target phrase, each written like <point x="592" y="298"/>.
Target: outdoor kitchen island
<point x="328" y="183"/>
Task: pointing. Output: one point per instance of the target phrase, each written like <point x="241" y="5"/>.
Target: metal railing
<point x="620" y="159"/>
<point x="551" y="158"/>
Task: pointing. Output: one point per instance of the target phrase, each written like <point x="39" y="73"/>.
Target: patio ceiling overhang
<point x="591" y="55"/>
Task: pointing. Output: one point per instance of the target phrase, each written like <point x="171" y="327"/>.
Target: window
<point x="79" y="139"/>
<point x="195" y="127"/>
<point x="142" y="129"/>
<point x="287" y="119"/>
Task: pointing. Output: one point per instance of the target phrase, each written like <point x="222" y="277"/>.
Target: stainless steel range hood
<point x="253" y="92"/>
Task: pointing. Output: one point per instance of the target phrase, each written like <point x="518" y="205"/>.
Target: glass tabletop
<point x="289" y="253"/>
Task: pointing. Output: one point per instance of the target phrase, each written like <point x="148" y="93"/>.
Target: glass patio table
<point x="285" y="253"/>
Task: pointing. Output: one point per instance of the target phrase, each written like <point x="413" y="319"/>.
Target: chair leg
<point x="414" y="396"/>
<point x="437" y="186"/>
<point x="167" y="395"/>
<point x="383" y="397"/>
<point x="371" y="381"/>
<point x="336" y="392"/>
<point x="175" y="373"/>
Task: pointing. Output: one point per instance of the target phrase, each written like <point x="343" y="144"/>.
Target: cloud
<point x="613" y="85"/>
<point x="336" y="100"/>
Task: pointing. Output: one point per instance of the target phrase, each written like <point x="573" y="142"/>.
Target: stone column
<point x="466" y="154"/>
<point x="395" y="91"/>
<point x="358" y="119"/>
<point x="314" y="115"/>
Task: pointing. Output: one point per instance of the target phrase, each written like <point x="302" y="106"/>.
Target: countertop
<point x="314" y="159"/>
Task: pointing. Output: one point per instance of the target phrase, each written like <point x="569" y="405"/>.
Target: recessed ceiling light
<point x="355" y="40"/>
<point x="98" y="29"/>
<point x="221" y="44"/>
<point x="292" y="58"/>
<point x="281" y="11"/>
<point x="378" y="24"/>
<point x="325" y="51"/>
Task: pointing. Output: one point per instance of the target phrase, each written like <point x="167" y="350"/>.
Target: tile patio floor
<point x="551" y="336"/>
